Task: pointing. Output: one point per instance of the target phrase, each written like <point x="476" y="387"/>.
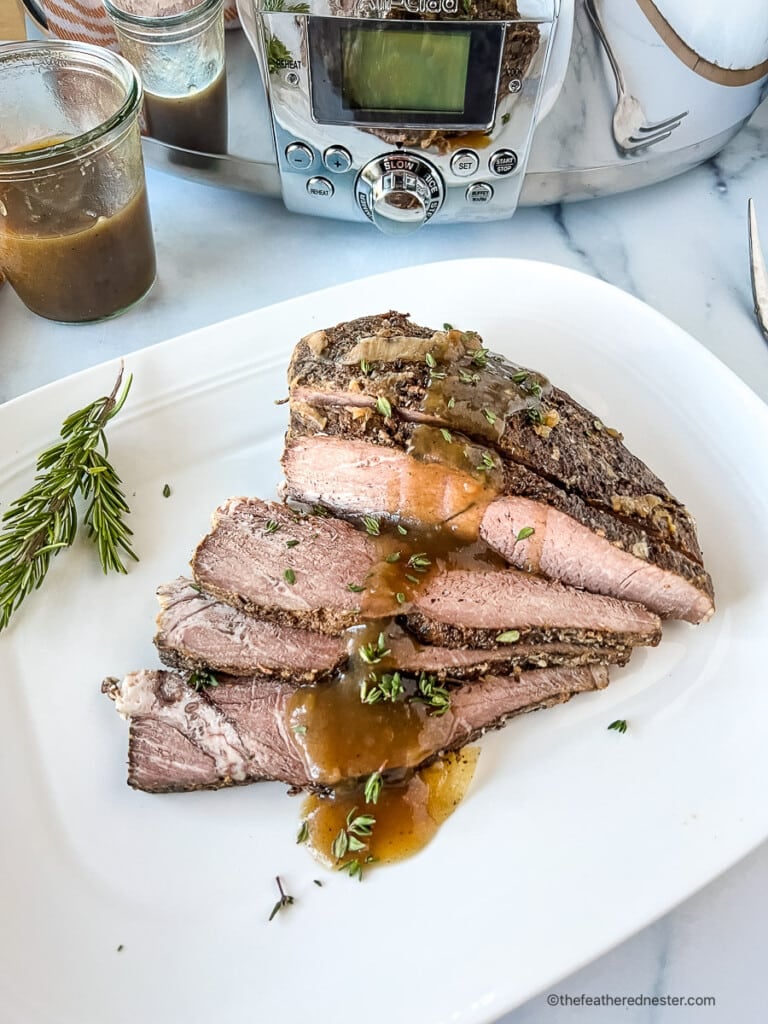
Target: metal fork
<point x="758" y="272"/>
<point x="632" y="131"/>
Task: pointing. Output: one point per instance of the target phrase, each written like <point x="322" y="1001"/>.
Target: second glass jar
<point x="178" y="50"/>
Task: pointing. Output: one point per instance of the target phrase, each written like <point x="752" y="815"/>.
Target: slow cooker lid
<point x="733" y="36"/>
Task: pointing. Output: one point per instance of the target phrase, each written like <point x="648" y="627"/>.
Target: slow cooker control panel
<point x="403" y="122"/>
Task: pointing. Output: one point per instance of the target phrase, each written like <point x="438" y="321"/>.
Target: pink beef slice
<point x="236" y="733"/>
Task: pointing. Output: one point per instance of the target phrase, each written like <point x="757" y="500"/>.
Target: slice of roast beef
<point x="476" y="608"/>
<point x="302" y="571"/>
<point x="488" y="399"/>
<point x="236" y="733"/>
<point x="244" y="560"/>
<point x="572" y="541"/>
<point x="195" y="631"/>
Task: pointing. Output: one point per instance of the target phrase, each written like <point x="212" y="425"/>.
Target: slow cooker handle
<point x="36" y="13"/>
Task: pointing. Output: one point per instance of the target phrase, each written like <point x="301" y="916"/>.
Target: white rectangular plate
<point x="123" y="907"/>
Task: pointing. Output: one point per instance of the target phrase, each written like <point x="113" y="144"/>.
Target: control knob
<point x="399" y="192"/>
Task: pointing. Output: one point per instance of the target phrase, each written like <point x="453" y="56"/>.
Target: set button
<point x="464" y="162"/>
<point x="503" y="161"/>
<point x="337" y="159"/>
<point x="299" y="156"/>
<point x="479" y="192"/>
<point x="320" y="188"/>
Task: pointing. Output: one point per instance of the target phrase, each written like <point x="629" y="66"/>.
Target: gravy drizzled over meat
<point x="466" y="543"/>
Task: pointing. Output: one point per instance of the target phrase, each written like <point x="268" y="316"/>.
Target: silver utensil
<point x="632" y="131"/>
<point x="758" y="272"/>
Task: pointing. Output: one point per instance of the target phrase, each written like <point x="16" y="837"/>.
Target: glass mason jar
<point x="177" y="46"/>
<point x="75" y="233"/>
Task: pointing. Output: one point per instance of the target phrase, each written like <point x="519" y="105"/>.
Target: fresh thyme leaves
<point x="447" y="327"/>
<point x="166" y="490"/>
<point x="388" y="687"/>
<point x="510" y="636"/>
<point x="120" y="948"/>
<point x="201" y="679"/>
<point x="480" y="357"/>
<point x="412" y="578"/>
<point x="300" y="730"/>
<point x="350" y="837"/>
<point x="527" y="531"/>
<point x="451" y="402"/>
<point x="373" y="787"/>
<point x="303" y="834"/>
<point x="318" y="882"/>
<point x="402" y="530"/>
<point x="520" y="377"/>
<point x="320" y="510"/>
<point x="420" y="562"/>
<point x="373" y="653"/>
<point x="400" y="597"/>
<point x="356" y="588"/>
<point x="535" y="415"/>
<point x="289" y="576"/>
<point x="365" y="367"/>
<point x="436" y="697"/>
<point x="620" y="725"/>
<point x="393" y="557"/>
<point x="372" y="526"/>
<point x="291" y="543"/>
<point x="430" y="360"/>
<point x="490" y="416"/>
<point x="383" y="406"/>
<point x="447" y="435"/>
<point x="271" y="526"/>
<point x="354" y="868"/>
<point x="284" y="901"/>
<point x="468" y="378"/>
<point x="44" y="519"/>
<point x="486" y="463"/>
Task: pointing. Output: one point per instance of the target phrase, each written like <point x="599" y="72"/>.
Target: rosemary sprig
<point x="44" y="520"/>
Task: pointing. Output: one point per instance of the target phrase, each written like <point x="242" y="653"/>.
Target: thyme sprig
<point x="373" y="652"/>
<point x="44" y="520"/>
<point x="429" y="692"/>
<point x="350" y="839"/>
<point x="284" y="901"/>
<point x="388" y="686"/>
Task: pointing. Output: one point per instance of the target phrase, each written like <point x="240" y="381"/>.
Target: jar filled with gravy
<point x="75" y="233"/>
<point x="177" y="46"/>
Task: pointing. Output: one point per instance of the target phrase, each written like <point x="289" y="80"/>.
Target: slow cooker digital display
<point x="421" y="74"/>
<point x="396" y="71"/>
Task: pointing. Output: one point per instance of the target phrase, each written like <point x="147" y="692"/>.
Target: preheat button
<point x="320" y="188"/>
<point x="299" y="156"/>
<point x="464" y="162"/>
<point x="503" y="161"/>
<point x="479" y="192"/>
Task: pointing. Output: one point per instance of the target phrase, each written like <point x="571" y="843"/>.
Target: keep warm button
<point x="320" y="188"/>
<point x="503" y="161"/>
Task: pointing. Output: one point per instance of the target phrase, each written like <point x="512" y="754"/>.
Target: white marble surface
<point x="680" y="246"/>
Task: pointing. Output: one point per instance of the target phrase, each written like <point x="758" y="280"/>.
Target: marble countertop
<point x="680" y="246"/>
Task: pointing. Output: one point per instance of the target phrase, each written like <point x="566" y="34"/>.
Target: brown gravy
<point x="407" y="813"/>
<point x="197" y="121"/>
<point x="93" y="268"/>
<point x="339" y="733"/>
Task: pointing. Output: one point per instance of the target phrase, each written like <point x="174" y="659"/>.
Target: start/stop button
<point x="503" y="161"/>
